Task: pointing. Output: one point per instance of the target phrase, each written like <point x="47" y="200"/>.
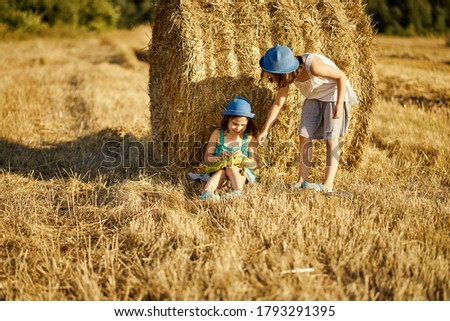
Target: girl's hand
<point x="213" y="159"/>
<point x="237" y="153"/>
<point x="225" y="154"/>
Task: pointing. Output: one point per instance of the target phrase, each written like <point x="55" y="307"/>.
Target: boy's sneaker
<point x="208" y="196"/>
<point x="326" y="191"/>
<point x="314" y="186"/>
<point x="308" y="185"/>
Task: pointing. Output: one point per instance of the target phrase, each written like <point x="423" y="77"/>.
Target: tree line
<point x="31" y="15"/>
<point x="410" y="17"/>
<point x="392" y="17"/>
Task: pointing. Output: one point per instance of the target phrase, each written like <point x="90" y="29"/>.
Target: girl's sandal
<point x="233" y="194"/>
<point x="208" y="196"/>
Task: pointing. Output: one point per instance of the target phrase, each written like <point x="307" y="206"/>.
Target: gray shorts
<point x="317" y="120"/>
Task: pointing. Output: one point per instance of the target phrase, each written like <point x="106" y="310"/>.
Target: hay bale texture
<point x="203" y="53"/>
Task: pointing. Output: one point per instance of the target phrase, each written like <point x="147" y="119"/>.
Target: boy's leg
<point x="333" y="156"/>
<point x="305" y="158"/>
<point x="237" y="179"/>
<point x="215" y="181"/>
<point x="335" y="128"/>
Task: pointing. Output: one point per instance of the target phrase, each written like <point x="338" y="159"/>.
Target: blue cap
<point x="279" y="60"/>
<point x="238" y="107"/>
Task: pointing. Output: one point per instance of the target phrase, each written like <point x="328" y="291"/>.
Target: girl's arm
<point x="273" y="113"/>
<point x="211" y="147"/>
<point x="319" y="68"/>
<point x="252" y="152"/>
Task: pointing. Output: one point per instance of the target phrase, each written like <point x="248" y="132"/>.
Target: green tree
<point x="410" y="17"/>
<point x="98" y="14"/>
<point x="86" y="14"/>
<point x="134" y="12"/>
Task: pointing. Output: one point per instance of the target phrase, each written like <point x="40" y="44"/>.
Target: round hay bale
<point x="203" y="54"/>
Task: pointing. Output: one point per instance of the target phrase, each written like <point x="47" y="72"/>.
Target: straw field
<point x="76" y="225"/>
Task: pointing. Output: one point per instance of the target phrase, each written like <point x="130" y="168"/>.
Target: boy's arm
<point x="319" y="68"/>
<point x="273" y="113"/>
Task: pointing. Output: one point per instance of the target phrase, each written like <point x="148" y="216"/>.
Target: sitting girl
<point x="231" y="151"/>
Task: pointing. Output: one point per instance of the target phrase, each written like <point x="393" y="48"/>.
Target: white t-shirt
<point x="321" y="88"/>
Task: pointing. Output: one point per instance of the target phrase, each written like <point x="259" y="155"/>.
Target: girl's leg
<point x="305" y="158"/>
<point x="333" y="156"/>
<point x="216" y="180"/>
<point x="237" y="180"/>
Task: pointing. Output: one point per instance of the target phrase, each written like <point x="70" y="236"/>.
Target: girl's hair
<point x="251" y="127"/>
<point x="282" y="80"/>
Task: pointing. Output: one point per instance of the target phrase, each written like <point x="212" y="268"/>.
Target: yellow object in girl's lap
<point x="239" y="161"/>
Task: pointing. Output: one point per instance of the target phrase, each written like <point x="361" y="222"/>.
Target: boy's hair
<point x="282" y="80"/>
<point x="251" y="127"/>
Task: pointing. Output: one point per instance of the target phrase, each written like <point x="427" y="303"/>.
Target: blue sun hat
<point x="238" y="107"/>
<point x="279" y="60"/>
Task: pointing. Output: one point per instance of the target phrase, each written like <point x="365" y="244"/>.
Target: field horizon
<point x="75" y="229"/>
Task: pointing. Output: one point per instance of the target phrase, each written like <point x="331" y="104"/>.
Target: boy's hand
<point x="262" y="137"/>
<point x="338" y="109"/>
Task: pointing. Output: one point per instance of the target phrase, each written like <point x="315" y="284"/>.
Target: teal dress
<point x="220" y="148"/>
